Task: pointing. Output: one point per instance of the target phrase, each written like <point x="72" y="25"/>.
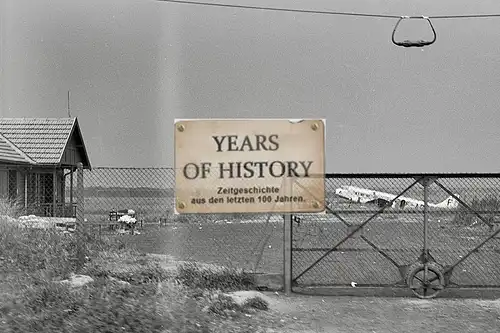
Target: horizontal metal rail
<point x="389" y="212"/>
<point x="411" y="175"/>
<point x="324" y="249"/>
<point x="392" y="285"/>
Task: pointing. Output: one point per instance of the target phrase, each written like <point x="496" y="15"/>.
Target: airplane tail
<point x="450" y="202"/>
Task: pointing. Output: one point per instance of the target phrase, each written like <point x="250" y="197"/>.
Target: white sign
<point x="249" y="166"/>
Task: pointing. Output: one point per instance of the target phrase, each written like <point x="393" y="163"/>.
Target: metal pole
<point x="426" y="212"/>
<point x="287" y="255"/>
<point x="287" y="244"/>
<point x="80" y="232"/>
<point x="426" y="220"/>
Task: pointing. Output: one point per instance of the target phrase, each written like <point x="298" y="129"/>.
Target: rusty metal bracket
<point x="414" y="43"/>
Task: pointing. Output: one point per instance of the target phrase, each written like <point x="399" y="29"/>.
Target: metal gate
<point x="425" y="232"/>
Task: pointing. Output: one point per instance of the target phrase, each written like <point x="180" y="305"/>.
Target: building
<point x="38" y="160"/>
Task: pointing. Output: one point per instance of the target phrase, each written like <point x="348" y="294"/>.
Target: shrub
<point x="38" y="249"/>
<point x="103" y="306"/>
<point x="186" y="313"/>
<point x="10" y="208"/>
<point x="223" y="305"/>
<point x="31" y="250"/>
<point x="133" y="274"/>
<point x="256" y="303"/>
<point x="32" y="302"/>
<point x="214" y="277"/>
<point x="99" y="307"/>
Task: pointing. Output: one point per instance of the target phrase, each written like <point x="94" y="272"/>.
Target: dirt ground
<point x="335" y="314"/>
<point x="457" y="310"/>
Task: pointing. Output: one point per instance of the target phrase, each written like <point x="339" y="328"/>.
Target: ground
<point x="255" y="244"/>
<point x="335" y="314"/>
<point x="455" y="310"/>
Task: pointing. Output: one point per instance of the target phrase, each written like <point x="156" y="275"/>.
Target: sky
<point x="132" y="67"/>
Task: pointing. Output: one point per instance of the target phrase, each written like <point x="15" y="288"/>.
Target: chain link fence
<point x="365" y="236"/>
<point x="249" y="241"/>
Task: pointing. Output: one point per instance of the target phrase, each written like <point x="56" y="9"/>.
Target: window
<point x="12" y="184"/>
<point x="4" y="183"/>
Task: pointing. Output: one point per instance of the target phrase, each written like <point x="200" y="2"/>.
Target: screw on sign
<point x="253" y="166"/>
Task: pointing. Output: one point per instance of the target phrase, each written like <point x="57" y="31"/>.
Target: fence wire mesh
<point x="326" y="248"/>
<point x="326" y="251"/>
<point x="249" y="241"/>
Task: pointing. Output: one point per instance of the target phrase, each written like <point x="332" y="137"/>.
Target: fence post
<point x="287" y="255"/>
<point x="426" y="218"/>
<point x="287" y="244"/>
<point x="80" y="227"/>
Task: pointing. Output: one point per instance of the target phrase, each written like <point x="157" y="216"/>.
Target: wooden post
<point x="54" y="192"/>
<point x="71" y="190"/>
<point x="26" y="175"/>
<point x="38" y="199"/>
<point x="62" y="194"/>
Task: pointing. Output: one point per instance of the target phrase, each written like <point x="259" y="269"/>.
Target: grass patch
<point x="256" y="303"/>
<point x="153" y="299"/>
<point x="46" y="250"/>
<point x="10" y="208"/>
<point x="33" y="300"/>
<point x="222" y="304"/>
<point x="128" y="266"/>
<point x="104" y="307"/>
<point x="213" y="277"/>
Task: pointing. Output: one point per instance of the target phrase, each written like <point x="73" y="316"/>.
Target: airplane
<point x="363" y="195"/>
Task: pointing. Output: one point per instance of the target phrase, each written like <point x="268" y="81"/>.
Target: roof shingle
<point x="10" y="153"/>
<point x="42" y="139"/>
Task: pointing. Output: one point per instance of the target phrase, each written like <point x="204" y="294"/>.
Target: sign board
<point x="249" y="166"/>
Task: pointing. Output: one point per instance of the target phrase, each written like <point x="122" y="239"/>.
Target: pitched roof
<point x="41" y="139"/>
<point x="10" y="153"/>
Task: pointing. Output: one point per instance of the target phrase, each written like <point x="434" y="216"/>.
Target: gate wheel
<point x="428" y="287"/>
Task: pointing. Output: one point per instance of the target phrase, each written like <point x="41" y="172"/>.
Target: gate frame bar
<point x="349" y="235"/>
<point x="289" y="280"/>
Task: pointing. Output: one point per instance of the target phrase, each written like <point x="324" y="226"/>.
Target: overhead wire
<point x="437" y="17"/>
<point x="405" y="43"/>
<point x="325" y="12"/>
<point x="276" y="9"/>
